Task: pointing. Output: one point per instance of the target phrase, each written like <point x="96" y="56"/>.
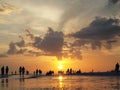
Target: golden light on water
<point x="60" y="81"/>
<point x="60" y="78"/>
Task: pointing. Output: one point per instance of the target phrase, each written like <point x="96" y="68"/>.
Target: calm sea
<point x="61" y="83"/>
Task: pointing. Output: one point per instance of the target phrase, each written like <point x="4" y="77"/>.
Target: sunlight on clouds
<point x="51" y="13"/>
<point x="3" y="48"/>
<point x="6" y="8"/>
<point x="48" y="13"/>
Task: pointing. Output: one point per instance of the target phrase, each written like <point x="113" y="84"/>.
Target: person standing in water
<point x="2" y="71"/>
<point x="7" y="70"/>
<point x="117" y="67"/>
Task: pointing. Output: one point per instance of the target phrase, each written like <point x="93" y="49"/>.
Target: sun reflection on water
<point x="60" y="81"/>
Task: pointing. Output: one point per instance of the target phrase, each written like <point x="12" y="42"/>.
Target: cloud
<point x="75" y="9"/>
<point x="73" y="15"/>
<point x="12" y="48"/>
<point x="29" y="34"/>
<point x="51" y="44"/>
<point x="114" y="1"/>
<point x="3" y="55"/>
<point x="17" y="47"/>
<point x="6" y="8"/>
<point x="101" y="32"/>
<point x="53" y="41"/>
<point x="111" y="9"/>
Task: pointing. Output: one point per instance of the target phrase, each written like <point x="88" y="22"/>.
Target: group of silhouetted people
<point x="37" y="72"/>
<point x="21" y="70"/>
<point x="4" y="71"/>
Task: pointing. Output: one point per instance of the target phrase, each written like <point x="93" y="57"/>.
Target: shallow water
<point x="61" y="83"/>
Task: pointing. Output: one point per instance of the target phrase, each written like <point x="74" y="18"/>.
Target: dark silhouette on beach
<point x="2" y="71"/>
<point x="78" y="72"/>
<point x="23" y="71"/>
<point x="20" y="70"/>
<point x="27" y="72"/>
<point x="73" y="72"/>
<point x="40" y="72"/>
<point x="117" y="67"/>
<point x="7" y="70"/>
<point x="49" y="73"/>
<point x="36" y="72"/>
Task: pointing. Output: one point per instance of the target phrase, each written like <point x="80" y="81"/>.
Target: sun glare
<point x="60" y="67"/>
<point x="60" y="78"/>
<point x="51" y="13"/>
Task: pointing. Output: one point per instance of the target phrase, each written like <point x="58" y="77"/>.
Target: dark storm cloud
<point x="111" y="9"/>
<point x="53" y="41"/>
<point x="16" y="47"/>
<point x="114" y="1"/>
<point x="51" y="44"/>
<point x="29" y="34"/>
<point x="100" y="30"/>
<point x="12" y="48"/>
<point x="20" y="43"/>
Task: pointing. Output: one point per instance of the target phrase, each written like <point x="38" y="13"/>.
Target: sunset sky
<point x="60" y="34"/>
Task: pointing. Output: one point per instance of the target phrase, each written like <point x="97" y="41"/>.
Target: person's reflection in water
<point x="21" y="81"/>
<point x="7" y="82"/>
<point x="117" y="83"/>
<point x="4" y="83"/>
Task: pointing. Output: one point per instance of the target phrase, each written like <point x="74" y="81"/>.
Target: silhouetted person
<point x="27" y="72"/>
<point x="78" y="72"/>
<point x="40" y="72"/>
<point x="23" y="70"/>
<point x="7" y="70"/>
<point x="2" y="71"/>
<point x="68" y="71"/>
<point x="117" y="67"/>
<point x="71" y="71"/>
<point x="36" y="72"/>
<point x="20" y="70"/>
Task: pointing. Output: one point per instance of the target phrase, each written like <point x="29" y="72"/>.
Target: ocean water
<point x="61" y="83"/>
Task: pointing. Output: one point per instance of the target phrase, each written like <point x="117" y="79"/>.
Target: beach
<point x="67" y="82"/>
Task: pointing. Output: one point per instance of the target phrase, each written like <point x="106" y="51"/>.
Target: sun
<point x="60" y="67"/>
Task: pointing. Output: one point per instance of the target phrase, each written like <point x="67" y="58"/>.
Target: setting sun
<point x="60" y="67"/>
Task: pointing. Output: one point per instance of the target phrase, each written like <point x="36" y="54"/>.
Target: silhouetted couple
<point x="4" y="70"/>
<point x="37" y="72"/>
<point x="21" y="70"/>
